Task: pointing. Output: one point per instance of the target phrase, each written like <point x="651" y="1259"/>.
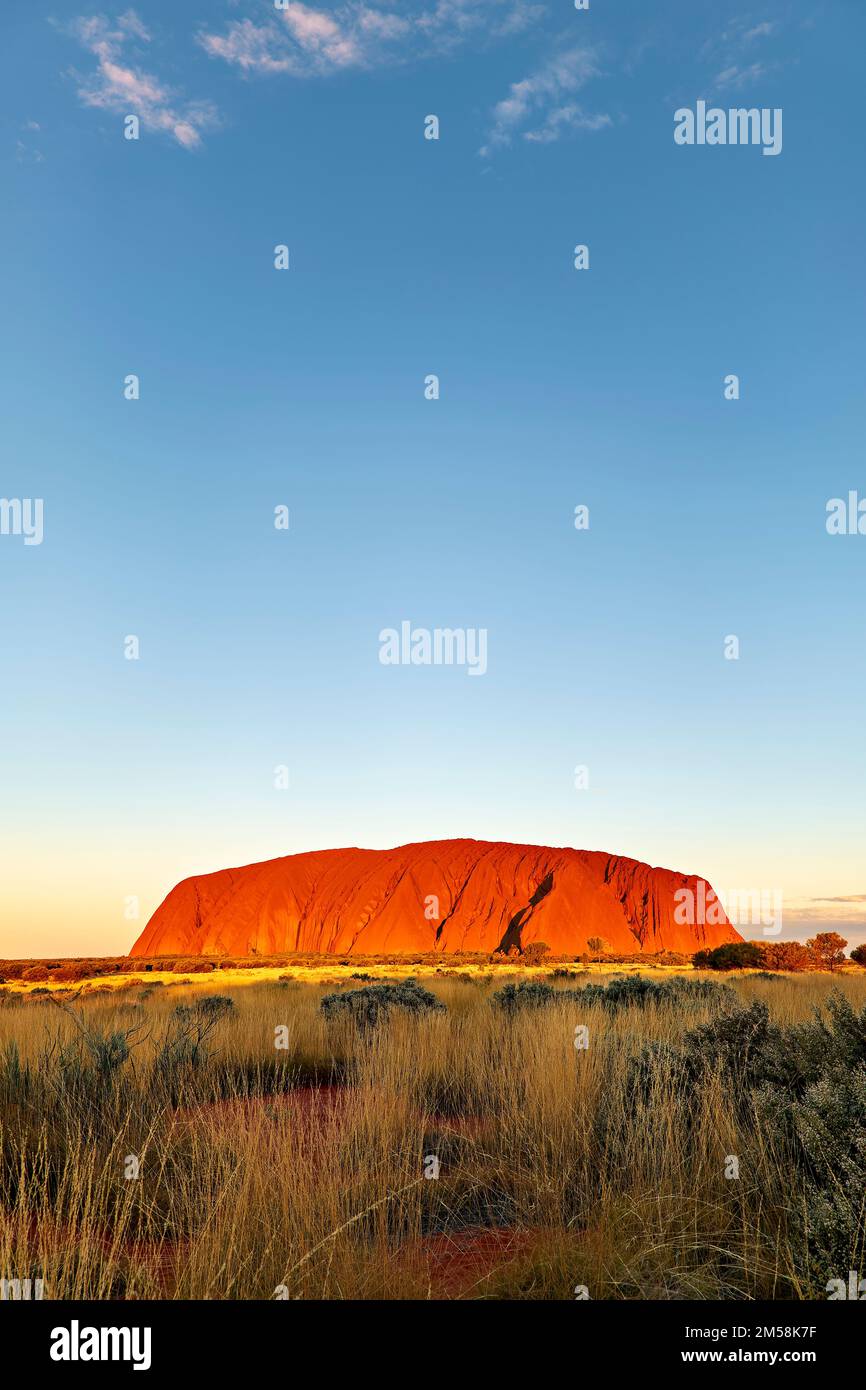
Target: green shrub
<point x="733" y="955"/>
<point x="736" y="1042"/>
<point x="367" y="1006"/>
<point x="804" y="1087"/>
<point x="622" y="992"/>
<point x="830" y="1126"/>
<point x="530" y="994"/>
<point x="628" y="990"/>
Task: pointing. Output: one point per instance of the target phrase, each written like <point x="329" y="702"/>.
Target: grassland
<point x="301" y="1168"/>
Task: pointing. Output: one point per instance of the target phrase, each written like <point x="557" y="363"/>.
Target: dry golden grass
<point x="252" y="1181"/>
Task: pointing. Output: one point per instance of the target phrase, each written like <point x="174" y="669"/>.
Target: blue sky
<point x="260" y="648"/>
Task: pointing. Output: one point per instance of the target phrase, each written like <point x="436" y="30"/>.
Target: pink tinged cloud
<point x="306" y="41"/>
<point x="384" y="26"/>
<point x="134" y="87"/>
<point x="310" y="27"/>
<point x="248" y="46"/>
<point x="317" y="33"/>
<point x="117" y="86"/>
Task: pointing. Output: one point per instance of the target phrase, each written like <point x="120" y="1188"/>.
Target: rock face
<point x="441" y="895"/>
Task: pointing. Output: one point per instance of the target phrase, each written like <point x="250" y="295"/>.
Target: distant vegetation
<point x="826" y="951"/>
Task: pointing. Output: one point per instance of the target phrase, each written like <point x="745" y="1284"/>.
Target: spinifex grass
<point x="302" y="1168"/>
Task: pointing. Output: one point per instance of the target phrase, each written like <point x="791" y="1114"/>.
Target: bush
<point x="733" y="955"/>
<point x="628" y="990"/>
<point x="858" y="955"/>
<point x="530" y="994"/>
<point x="70" y="974"/>
<point x="805" y="1086"/>
<point x="622" y="992"/>
<point x="534" y="952"/>
<point x="368" y="1006"/>
<point x="789" y="956"/>
<point x="830" y="1126"/>
<point x="184" y="1044"/>
<point x="35" y="972"/>
<point x="735" y="1042"/>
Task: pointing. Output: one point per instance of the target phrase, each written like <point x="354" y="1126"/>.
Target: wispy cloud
<point x="118" y="84"/>
<point x="737" y="77"/>
<point x="847" y="898"/>
<point x="562" y="119"/>
<point x="537" y="108"/>
<point x="305" y="41"/>
<point x="760" y="31"/>
<point x="27" y="154"/>
<point x="739" y="34"/>
<point x="25" y="149"/>
<point x="732" y="52"/>
<point x="847" y="911"/>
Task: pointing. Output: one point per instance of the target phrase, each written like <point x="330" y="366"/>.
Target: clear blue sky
<point x="306" y="388"/>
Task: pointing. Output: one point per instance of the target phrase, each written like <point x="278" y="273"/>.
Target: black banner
<point x="279" y="1338"/>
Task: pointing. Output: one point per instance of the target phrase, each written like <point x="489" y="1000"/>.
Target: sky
<point x="259" y="718"/>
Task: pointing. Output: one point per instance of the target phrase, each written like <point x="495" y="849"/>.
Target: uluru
<point x="438" y="895"/>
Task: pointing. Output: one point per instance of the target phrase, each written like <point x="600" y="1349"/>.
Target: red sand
<point x="458" y="1263"/>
